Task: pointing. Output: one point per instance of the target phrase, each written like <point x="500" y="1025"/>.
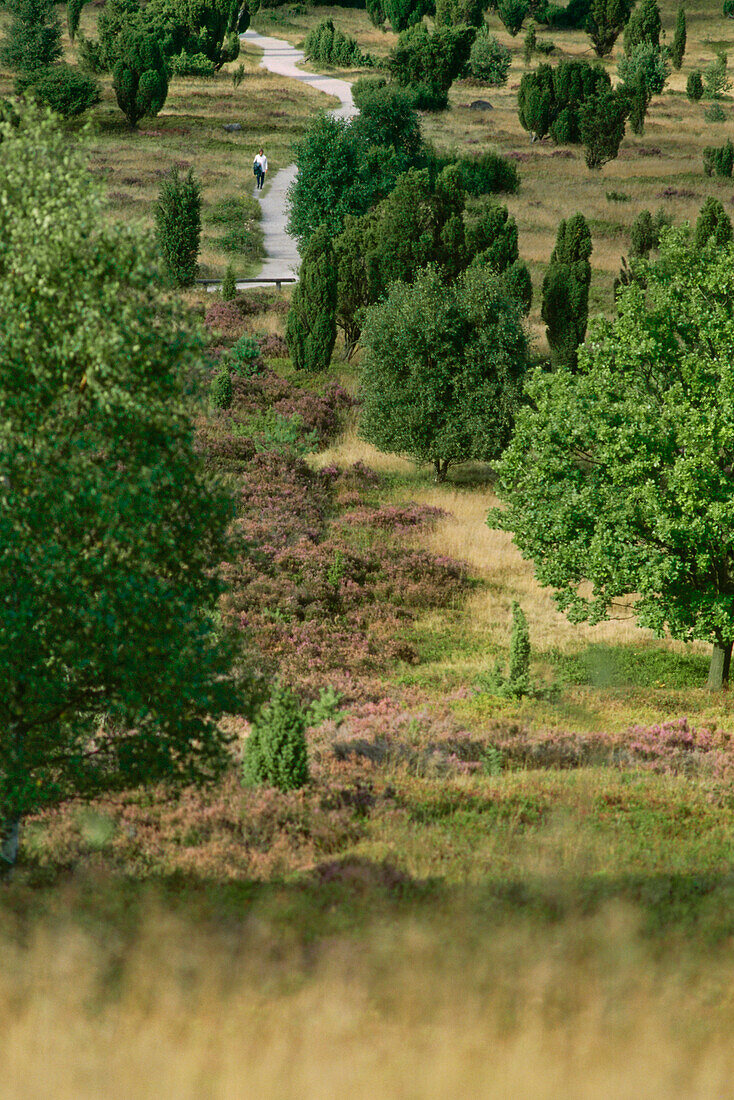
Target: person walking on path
<point x="260" y="167"/>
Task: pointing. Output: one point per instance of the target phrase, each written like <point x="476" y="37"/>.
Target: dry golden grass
<point x="412" y="1012"/>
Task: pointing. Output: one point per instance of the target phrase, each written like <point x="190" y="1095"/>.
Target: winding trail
<point x="281" y="254"/>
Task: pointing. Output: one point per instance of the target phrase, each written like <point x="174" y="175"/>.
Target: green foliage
<point x="220" y="391"/>
<point x="387" y="117"/>
<point x="643" y="74"/>
<point x="718" y="160"/>
<point x="512" y="13"/>
<point x="566" y="284"/>
<point x="276" y="754"/>
<point x="678" y="49"/>
<point x="339" y="173"/>
<point x="644" y="26"/>
<point x="713" y="225"/>
<point x="326" y="708"/>
<point x="442" y="368"/>
<point x="32" y="41"/>
<point x="456" y="13"/>
<point x="238" y="75"/>
<point x="643" y="237"/>
<point x="550" y="99"/>
<point x="330" y="46"/>
<point x="529" y="44"/>
<point x="228" y="289"/>
<point x="519" y="670"/>
<point x="117" y="19"/>
<point x="489" y="60"/>
<point x="73" y="14"/>
<point x="245" y="357"/>
<point x="620" y="474"/>
<point x="728" y="9"/>
<point x="429" y="62"/>
<point x="113" y="672"/>
<point x="487" y="174"/>
<point x="272" y="432"/>
<point x="311" y="326"/>
<point x="605" y="22"/>
<point x="516" y="683"/>
<point x="694" y="86"/>
<point x="376" y="12"/>
<point x="715" y="79"/>
<point x="715" y="113"/>
<point x="140" y="77"/>
<point x="602" y="125"/>
<point x="190" y="64"/>
<point x="493" y="761"/>
<point x="178" y="225"/>
<point x="65" y="90"/>
<point x="406" y="13"/>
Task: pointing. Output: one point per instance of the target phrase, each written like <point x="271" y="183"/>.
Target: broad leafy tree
<point x="110" y="530"/>
<point x="619" y="481"/>
<point x="442" y="369"/>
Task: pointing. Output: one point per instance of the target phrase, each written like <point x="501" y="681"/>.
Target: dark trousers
<point x="260" y="179"/>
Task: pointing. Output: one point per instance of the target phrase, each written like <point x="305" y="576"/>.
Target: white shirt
<point x="262" y="160"/>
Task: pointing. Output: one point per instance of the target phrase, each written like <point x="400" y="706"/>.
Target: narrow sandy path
<point x="280" y="250"/>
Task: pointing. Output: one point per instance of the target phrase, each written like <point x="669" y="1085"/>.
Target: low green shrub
<point x="221" y="389"/>
<point x="715" y="113"/>
<point x="489" y="59"/>
<point x="191" y="64"/>
<point x="66" y="91"/>
<point x="694" y="86"/>
<point x="327" y="44"/>
<point x="718" y="160"/>
<point x="488" y="174"/>
<point x="245" y="357"/>
<point x="229" y="285"/>
<point x="276" y="754"/>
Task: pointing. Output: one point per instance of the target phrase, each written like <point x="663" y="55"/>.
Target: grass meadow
<point x="474" y="895"/>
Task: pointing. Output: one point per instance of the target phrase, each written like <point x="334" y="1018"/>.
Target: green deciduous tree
<point x="442" y="368"/>
<point x="565" y="307"/>
<point x="311" y="326"/>
<point x="178" y="225"/>
<point x="140" y="77"/>
<point x="678" y="49"/>
<point x="33" y="38"/>
<point x="619" y="476"/>
<point x="110" y="530"/>
<point x="606" y="21"/>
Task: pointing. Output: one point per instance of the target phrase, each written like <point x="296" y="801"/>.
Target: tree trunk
<point x="719" y="667"/>
<point x="441" y="466"/>
<point x="9" y="837"/>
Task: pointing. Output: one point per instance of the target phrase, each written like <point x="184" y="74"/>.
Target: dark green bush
<point x="729" y="9"/>
<point x="221" y="389"/>
<point x="311" y="324"/>
<point x="191" y="64"/>
<point x="276" y="753"/>
<point x="429" y="63"/>
<point x="32" y="41"/>
<point x="678" y="48"/>
<point x="605" y="23"/>
<point x="643" y="26"/>
<point x="387" y="117"/>
<point x="715" y="113"/>
<point x="512" y="13"/>
<point x="228" y="288"/>
<point x="489" y="60"/>
<point x="178" y="226"/>
<point x="73" y="14"/>
<point x="65" y="90"/>
<point x="713" y="224"/>
<point x="718" y="160"/>
<point x="330" y="46"/>
<point x="245" y="357"/>
<point x="457" y="13"/>
<point x="140" y="78"/>
<point x="488" y="174"/>
<point x="694" y="86"/>
<point x="565" y="308"/>
<point x="550" y="99"/>
<point x="407" y="13"/>
<point x="602" y="124"/>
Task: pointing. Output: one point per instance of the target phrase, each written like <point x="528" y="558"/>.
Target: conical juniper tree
<point x="33" y="38"/>
<point x="618" y="481"/>
<point x="311" y="325"/>
<point x="112" y="668"/>
<point x="565" y="308"/>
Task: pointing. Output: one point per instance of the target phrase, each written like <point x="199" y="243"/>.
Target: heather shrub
<point x="275" y="753"/>
<point x="224" y="320"/>
<point x="271" y="431"/>
<point x="322" y="413"/>
<point x="178" y="226"/>
<point x="273" y="346"/>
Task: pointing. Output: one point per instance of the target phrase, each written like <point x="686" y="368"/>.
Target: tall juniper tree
<point x="33" y="39"/>
<point x="565" y="308"/>
<point x="311" y="325"/>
